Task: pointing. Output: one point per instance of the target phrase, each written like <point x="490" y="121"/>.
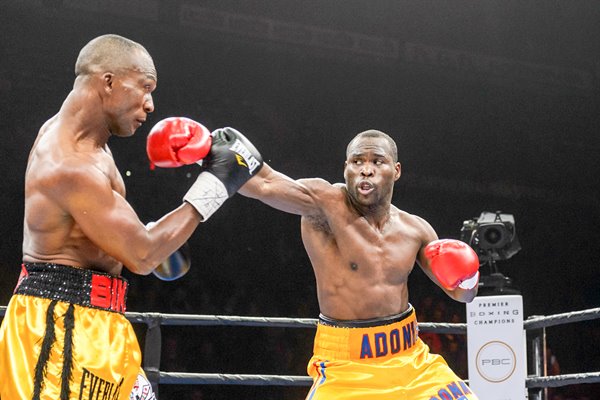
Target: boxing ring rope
<point x="539" y="380"/>
<point x="152" y="348"/>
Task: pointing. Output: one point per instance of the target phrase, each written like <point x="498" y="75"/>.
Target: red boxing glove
<point x="177" y="141"/>
<point x="454" y="263"/>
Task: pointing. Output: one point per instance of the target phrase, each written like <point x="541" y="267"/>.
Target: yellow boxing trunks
<point x="379" y="359"/>
<point x="64" y="336"/>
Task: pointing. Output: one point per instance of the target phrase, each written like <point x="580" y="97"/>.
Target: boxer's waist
<point x="375" y="339"/>
<point x="79" y="286"/>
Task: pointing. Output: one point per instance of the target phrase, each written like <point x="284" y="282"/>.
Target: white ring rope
<point x="273" y="322"/>
<point x="562" y="380"/>
<point x="221" y="320"/>
<point x="188" y="378"/>
<point x="185" y="378"/>
<point x="536" y="322"/>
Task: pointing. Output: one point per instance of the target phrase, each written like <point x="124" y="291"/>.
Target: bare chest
<point x="106" y="164"/>
<point x="354" y="246"/>
<point x="389" y="254"/>
<point x="117" y="182"/>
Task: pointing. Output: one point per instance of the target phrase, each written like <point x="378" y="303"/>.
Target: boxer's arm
<point x="428" y="235"/>
<point x="301" y="197"/>
<point x="107" y="219"/>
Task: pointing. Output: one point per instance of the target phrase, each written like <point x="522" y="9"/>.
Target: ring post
<point x="152" y="349"/>
<point x="538" y="356"/>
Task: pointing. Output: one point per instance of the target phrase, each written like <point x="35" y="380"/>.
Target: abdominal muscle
<point x="347" y="297"/>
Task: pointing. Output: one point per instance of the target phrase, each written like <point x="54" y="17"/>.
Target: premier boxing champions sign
<point x="496" y="347"/>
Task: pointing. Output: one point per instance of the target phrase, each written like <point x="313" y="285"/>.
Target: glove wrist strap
<point x="207" y="194"/>
<point x="470" y="283"/>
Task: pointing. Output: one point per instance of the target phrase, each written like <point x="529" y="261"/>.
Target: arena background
<point x="494" y="106"/>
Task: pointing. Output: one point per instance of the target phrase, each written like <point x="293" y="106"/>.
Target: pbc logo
<point x="244" y="157"/>
<point x="496" y="361"/>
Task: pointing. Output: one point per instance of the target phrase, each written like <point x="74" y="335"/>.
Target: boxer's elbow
<point x="141" y="261"/>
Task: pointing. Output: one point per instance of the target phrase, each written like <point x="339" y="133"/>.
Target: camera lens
<point x="492" y="236"/>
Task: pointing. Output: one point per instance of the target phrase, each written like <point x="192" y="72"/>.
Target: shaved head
<point x="109" y="52"/>
<point x="372" y="133"/>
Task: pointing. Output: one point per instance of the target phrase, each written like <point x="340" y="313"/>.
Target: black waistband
<point x="365" y="323"/>
<point x="79" y="286"/>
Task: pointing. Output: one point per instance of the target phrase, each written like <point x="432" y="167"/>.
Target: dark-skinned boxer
<point x="362" y="249"/>
<point x="64" y="335"/>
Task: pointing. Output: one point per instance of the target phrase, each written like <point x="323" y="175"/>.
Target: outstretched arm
<point x="279" y="191"/>
<point x="233" y="165"/>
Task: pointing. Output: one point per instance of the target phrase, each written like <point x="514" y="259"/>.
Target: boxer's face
<point x="370" y="171"/>
<point x="130" y="96"/>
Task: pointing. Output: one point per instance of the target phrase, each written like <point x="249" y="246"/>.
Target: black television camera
<point x="493" y="236"/>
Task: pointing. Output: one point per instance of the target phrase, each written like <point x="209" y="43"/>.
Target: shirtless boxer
<point x="362" y="249"/>
<point x="64" y="335"/>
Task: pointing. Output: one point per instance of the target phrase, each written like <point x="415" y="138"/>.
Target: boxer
<point x="64" y="334"/>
